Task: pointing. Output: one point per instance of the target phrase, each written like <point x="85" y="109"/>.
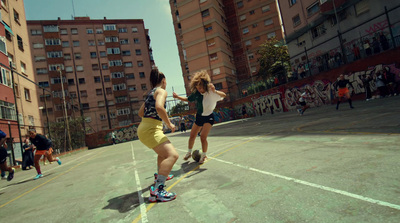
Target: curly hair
<point x="200" y="78"/>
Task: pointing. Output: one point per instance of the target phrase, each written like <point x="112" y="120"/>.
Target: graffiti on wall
<point x="123" y="134"/>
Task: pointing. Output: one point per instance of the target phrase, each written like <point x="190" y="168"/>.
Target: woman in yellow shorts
<point x="150" y="133"/>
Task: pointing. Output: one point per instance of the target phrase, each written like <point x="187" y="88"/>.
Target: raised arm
<point x="175" y="95"/>
<point x="220" y="93"/>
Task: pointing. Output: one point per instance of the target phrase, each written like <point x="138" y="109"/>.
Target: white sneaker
<point x="187" y="156"/>
<point x="202" y="159"/>
<point x="4" y="178"/>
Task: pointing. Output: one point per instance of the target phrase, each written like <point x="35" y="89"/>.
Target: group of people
<point x="153" y="113"/>
<point x="39" y="146"/>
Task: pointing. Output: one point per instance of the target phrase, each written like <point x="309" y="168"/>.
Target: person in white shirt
<point x="206" y="97"/>
<point x="302" y="101"/>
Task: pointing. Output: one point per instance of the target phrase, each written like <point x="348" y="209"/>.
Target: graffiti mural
<point x="123" y="134"/>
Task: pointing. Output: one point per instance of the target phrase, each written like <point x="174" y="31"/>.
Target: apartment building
<point x="102" y="65"/>
<point x="14" y="47"/>
<point x="322" y="32"/>
<point x="222" y="37"/>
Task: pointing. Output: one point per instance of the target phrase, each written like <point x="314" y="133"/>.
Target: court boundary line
<point x="142" y="205"/>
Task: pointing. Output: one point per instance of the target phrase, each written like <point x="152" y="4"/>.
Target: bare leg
<point x="203" y="137"/>
<point x="193" y="135"/>
<point x="36" y="162"/>
<point x="167" y="157"/>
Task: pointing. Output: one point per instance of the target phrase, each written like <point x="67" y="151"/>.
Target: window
<point x="41" y="71"/>
<point x="100" y="42"/>
<point x="134" y="29"/>
<point x="142" y="75"/>
<point x="57" y="80"/>
<point x="104" y="66"/>
<point x="257" y="38"/>
<point x="103" y="54"/>
<point x="136" y="40"/>
<point x="251" y="56"/>
<point x="7" y="111"/>
<point x="268" y="22"/>
<point x="77" y="56"/>
<point x="132" y="88"/>
<point x="118" y="87"/>
<point x="211" y="42"/>
<point x="36" y="32"/>
<point x="318" y="31"/>
<point x="54" y="54"/>
<point x="265" y="9"/>
<point x="113" y="63"/>
<point x="113" y="51"/>
<point x="91" y="43"/>
<point x="20" y="43"/>
<point x="123" y="111"/>
<point x="53" y="67"/>
<point x="144" y="87"/>
<point x="252" y="12"/>
<point x="122" y="30"/>
<point x="124" y="41"/>
<point x="65" y="44"/>
<point x="271" y="35"/>
<point x="108" y="90"/>
<point x="292" y="2"/>
<point x="247" y="43"/>
<point x="72" y="94"/>
<point x="296" y="20"/>
<point x="102" y="116"/>
<point x="27" y="94"/>
<point x="107" y="78"/>
<point x="74" y="31"/>
<point x="140" y="63"/>
<point x="126" y="53"/>
<point x="79" y="68"/>
<point x="245" y="30"/>
<point x="84" y="93"/>
<point x="314" y="8"/>
<point x="63" y="31"/>
<point x="254" y="25"/>
<point x="75" y="43"/>
<point x="216" y="71"/>
<point x="8" y="35"/>
<point x="121" y="99"/>
<point x="128" y="64"/>
<point x="109" y="27"/>
<point x="68" y="69"/>
<point x="50" y="28"/>
<point x="44" y="84"/>
<point x="117" y="74"/>
<point x="361" y="7"/>
<point x="71" y="82"/>
<point x="138" y="52"/>
<point x="207" y="28"/>
<point x="81" y="80"/>
<point x="97" y="79"/>
<point x="99" y="31"/>
<point x="130" y="76"/>
<point x="239" y="4"/>
<point x="99" y="91"/>
<point x="89" y="31"/>
<point x="93" y="54"/>
<point x="213" y="56"/>
<point x="218" y="86"/>
<point x="50" y="42"/>
<point x="86" y="106"/>
<point x="23" y="67"/>
<point x="38" y="45"/>
<point x="205" y="13"/>
<point x="111" y="39"/>
<point x="242" y="17"/>
<point x="5" y="77"/>
<point x="40" y="58"/>
<point x="95" y="66"/>
<point x="3" y="46"/>
<point x="253" y="69"/>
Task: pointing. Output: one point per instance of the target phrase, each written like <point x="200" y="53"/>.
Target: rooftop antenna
<point x="73" y="8"/>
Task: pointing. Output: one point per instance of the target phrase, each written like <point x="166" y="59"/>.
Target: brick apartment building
<point x="105" y="67"/>
<point x="222" y="37"/>
<point x="14" y="48"/>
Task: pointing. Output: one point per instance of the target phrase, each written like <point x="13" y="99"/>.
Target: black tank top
<point x="150" y="106"/>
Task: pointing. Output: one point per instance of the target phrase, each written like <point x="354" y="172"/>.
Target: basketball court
<point x="324" y="166"/>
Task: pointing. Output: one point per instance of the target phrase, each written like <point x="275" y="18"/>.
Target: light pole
<point x="47" y="115"/>
<point x="65" y="106"/>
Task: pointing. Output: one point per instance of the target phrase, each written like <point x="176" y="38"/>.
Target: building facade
<point x="14" y="44"/>
<point x="102" y="65"/>
<point x="222" y="37"/>
<point x="328" y="33"/>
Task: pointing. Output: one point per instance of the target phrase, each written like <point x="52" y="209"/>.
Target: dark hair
<point x="156" y="77"/>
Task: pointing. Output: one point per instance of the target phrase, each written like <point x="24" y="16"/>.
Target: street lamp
<point x="65" y="106"/>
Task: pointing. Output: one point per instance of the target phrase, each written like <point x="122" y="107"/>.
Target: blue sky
<point x="155" y="13"/>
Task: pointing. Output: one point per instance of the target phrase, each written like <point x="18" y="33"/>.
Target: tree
<point x="59" y="137"/>
<point x="274" y="59"/>
<point x="178" y="108"/>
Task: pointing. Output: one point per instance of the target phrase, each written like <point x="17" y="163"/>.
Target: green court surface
<point x="324" y="166"/>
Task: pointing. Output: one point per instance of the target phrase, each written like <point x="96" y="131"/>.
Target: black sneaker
<point x="11" y="175"/>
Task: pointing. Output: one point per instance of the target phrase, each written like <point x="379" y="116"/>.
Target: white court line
<point x="329" y="189"/>
<point x="58" y="166"/>
<point x="139" y="190"/>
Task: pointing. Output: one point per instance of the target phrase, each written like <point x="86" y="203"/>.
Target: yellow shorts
<point x="150" y="132"/>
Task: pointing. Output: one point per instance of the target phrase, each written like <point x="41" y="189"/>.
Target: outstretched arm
<point x="175" y="95"/>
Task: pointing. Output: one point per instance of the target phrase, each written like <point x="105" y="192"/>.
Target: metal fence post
<point x="390" y="27"/>
<point x="11" y="144"/>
